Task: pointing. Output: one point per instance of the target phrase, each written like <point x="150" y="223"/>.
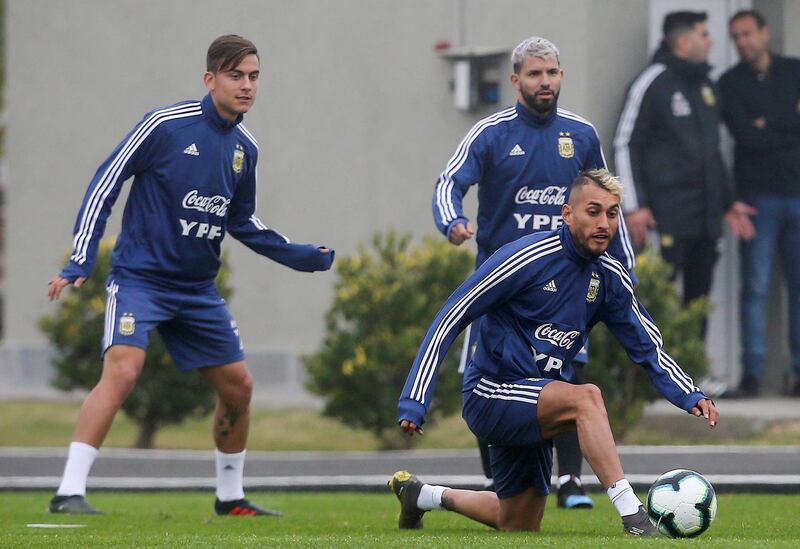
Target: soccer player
<point x="194" y="165"/>
<point x="523" y="159"/>
<point x="539" y="297"/>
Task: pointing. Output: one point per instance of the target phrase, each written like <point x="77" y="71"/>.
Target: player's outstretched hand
<point x="460" y="232"/>
<point x="706" y="409"/>
<point x="410" y="428"/>
<point x="58" y="283"/>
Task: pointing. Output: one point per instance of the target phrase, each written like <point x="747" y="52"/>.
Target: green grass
<point x="361" y="520"/>
<point x="51" y="423"/>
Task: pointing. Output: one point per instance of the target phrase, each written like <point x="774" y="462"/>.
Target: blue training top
<point x="195" y="181"/>
<point x="540" y="299"/>
<point x="524" y="165"/>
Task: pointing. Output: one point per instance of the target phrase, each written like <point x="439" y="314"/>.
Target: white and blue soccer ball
<point x="681" y="504"/>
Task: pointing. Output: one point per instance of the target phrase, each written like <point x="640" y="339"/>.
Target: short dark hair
<point x="761" y="21"/>
<point x="227" y="51"/>
<point x="680" y="22"/>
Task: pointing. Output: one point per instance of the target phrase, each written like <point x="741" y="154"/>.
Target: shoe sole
<point x="578" y="502"/>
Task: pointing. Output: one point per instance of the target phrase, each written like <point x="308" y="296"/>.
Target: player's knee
<point x="246" y="387"/>
<point x="121" y="376"/>
<point x="239" y="391"/>
<point x="591" y="398"/>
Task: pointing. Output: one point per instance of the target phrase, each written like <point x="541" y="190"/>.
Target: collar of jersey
<point x="568" y="244"/>
<point x="534" y="119"/>
<point x="211" y="113"/>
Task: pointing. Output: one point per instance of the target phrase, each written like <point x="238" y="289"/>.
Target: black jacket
<point x="767" y="160"/>
<point x="667" y="148"/>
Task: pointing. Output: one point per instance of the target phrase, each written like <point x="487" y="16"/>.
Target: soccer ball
<point x="681" y="504"/>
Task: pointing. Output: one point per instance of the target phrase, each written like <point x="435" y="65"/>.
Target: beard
<point x="588" y="247"/>
<point x="540" y="106"/>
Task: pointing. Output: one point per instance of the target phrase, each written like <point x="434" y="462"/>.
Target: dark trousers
<point x="694" y="259"/>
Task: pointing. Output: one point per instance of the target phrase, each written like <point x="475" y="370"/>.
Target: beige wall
<point x="791" y="31"/>
<point x="354" y="119"/>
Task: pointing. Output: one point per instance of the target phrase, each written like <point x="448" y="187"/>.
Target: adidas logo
<point x="516" y="151"/>
<point x="192" y="150"/>
<point x="550" y="286"/>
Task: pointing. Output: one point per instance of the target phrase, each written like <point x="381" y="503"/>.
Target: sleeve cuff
<point x="691" y="400"/>
<point x="411" y="410"/>
<point x="453" y="223"/>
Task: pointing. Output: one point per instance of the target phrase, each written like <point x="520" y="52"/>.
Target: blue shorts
<point x="197" y="329"/>
<point x="504" y="415"/>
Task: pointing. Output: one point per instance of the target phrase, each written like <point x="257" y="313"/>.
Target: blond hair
<point x="600" y="177"/>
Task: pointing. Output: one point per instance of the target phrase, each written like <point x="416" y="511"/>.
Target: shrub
<point x="385" y="299"/>
<point x="162" y="395"/>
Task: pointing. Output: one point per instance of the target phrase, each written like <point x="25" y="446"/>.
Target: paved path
<point x="729" y="468"/>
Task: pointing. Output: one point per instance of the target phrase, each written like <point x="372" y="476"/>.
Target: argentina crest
<point x="566" y="148"/>
<point x="238" y="158"/>
<point x="127" y="324"/>
<point x="594" y="287"/>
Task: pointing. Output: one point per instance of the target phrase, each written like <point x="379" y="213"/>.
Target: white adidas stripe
<point x="520" y="259"/>
<point x="625" y="240"/>
<point x="111" y="315"/>
<point x="247" y="134"/>
<point x="495" y="384"/>
<point x="622" y="139"/>
<point x="577" y="118"/>
<point x="430" y="358"/>
<point x="507" y="391"/>
<point x="666" y="362"/>
<point x="460" y="155"/>
<point x="93" y="205"/>
<point x="253" y="218"/>
<point x="510" y="388"/>
<point x="109" y="179"/>
<point x="627" y="248"/>
<point x="445" y="182"/>
<point x="505" y="397"/>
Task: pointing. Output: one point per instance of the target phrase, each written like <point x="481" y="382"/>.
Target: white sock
<point x="623" y="498"/>
<point x="79" y="461"/>
<point x="430" y="497"/>
<point x="230" y="474"/>
<point x="566" y="478"/>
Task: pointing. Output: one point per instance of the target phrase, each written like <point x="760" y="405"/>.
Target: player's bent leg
<point x="234" y="386"/>
<point x="563" y="406"/>
<point x="522" y="512"/>
<point x="122" y="365"/>
<point x="480" y="506"/>
<point x="417" y="498"/>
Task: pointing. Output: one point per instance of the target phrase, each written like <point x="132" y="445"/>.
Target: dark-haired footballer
<point x="194" y="169"/>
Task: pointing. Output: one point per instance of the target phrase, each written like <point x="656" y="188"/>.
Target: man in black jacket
<point x="668" y="158"/>
<point x="761" y="107"/>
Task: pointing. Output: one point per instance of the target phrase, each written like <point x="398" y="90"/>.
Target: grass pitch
<point x="170" y="519"/>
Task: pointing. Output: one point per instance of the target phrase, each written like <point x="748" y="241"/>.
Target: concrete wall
<point x="354" y="118"/>
<point x="355" y="121"/>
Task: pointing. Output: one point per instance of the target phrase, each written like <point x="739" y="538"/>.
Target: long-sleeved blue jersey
<point x="195" y="181"/>
<point x="539" y="299"/>
<point x="523" y="165"/>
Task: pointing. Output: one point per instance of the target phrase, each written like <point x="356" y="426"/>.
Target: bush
<point x="626" y="386"/>
<point x="385" y="300"/>
<point x="162" y="395"/>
